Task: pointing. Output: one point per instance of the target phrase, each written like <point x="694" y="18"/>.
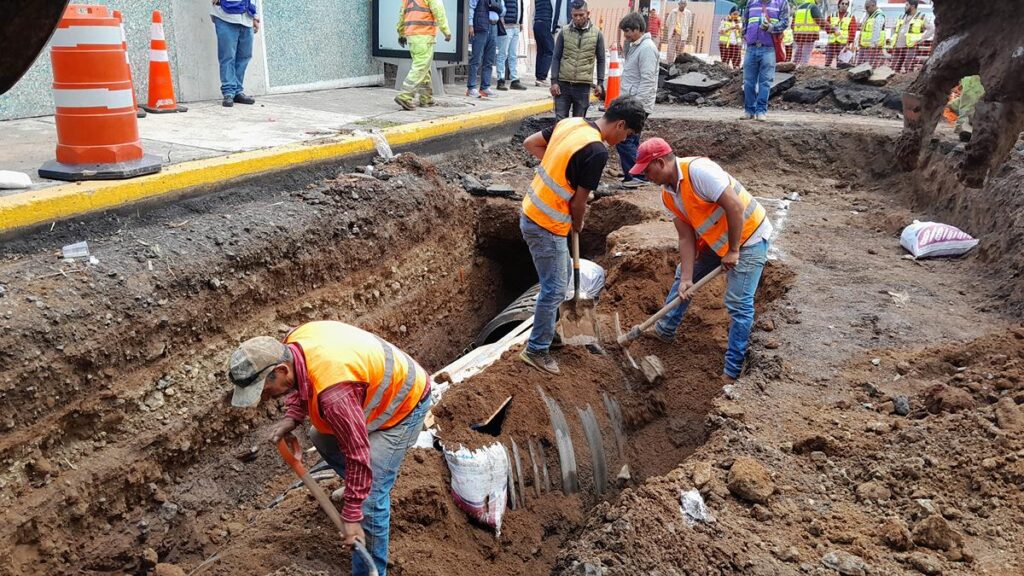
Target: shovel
<point x="577" y="325"/>
<point x="625" y="339"/>
<point x="288" y="446"/>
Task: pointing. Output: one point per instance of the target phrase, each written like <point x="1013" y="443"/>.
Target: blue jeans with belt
<point x="550" y="253"/>
<point x="481" y="59"/>
<point x="741" y="283"/>
<point x="234" y="51"/>
<point x="387" y="449"/>
<point x="758" y="75"/>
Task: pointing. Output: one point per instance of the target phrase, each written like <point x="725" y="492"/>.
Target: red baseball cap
<point x="651" y="149"/>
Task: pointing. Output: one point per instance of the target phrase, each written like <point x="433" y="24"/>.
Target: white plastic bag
<point x="694" y="510"/>
<point x="845" y="56"/>
<point x="480" y="482"/>
<point x="931" y="239"/>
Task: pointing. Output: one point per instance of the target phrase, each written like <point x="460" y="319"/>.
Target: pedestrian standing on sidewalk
<point x="578" y="47"/>
<point x="572" y="156"/>
<point x="729" y="33"/>
<point x="718" y="223"/>
<point x="678" y="24"/>
<point x="508" y="45"/>
<point x="640" y="80"/>
<point x="235" y="21"/>
<point x="484" y="16"/>
<point x="872" y="36"/>
<point x="910" y="29"/>
<point x="654" y="27"/>
<point x="808" y="22"/>
<point x="543" y="11"/>
<point x="763" y="20"/>
<point x="418" y="23"/>
<point x="844" y="31"/>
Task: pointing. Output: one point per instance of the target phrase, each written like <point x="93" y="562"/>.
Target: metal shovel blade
<point x="577" y="324"/>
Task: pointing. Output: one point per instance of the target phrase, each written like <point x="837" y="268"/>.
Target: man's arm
<point x="536" y="144"/>
<point x="730" y="202"/>
<point x="343" y="412"/>
<point x="556" y="60"/>
<point x="600" y="59"/>
<point x="746" y="17"/>
<point x="783" y="22"/>
<point x="648" y="62"/>
<point x="440" y="16"/>
<point x="929" y="29"/>
<point x="878" y="30"/>
<point x="687" y="253"/>
<point x="295" y="408"/>
<point x="578" y="207"/>
<point x="401" y="20"/>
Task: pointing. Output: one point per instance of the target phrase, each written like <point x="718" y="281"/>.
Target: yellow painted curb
<point x="69" y="200"/>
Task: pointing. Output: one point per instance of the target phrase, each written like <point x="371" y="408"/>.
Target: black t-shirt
<point x="586" y="165"/>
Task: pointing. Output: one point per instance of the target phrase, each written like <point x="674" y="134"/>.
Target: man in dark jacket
<point x="577" y="49"/>
<point x="484" y="16"/>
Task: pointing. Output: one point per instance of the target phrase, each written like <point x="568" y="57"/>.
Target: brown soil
<point x="99" y="477"/>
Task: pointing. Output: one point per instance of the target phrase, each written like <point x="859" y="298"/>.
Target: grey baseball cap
<point x="249" y="366"/>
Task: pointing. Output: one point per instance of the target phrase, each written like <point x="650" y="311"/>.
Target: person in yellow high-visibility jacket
<point x="418" y="23"/>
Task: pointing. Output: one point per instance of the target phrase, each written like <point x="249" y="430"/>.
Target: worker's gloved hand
<point x="402" y="41"/>
<point x="352" y="531"/>
<point x="282" y="429"/>
<point x="730" y="259"/>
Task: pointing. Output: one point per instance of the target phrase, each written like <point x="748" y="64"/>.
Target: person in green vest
<point x="844" y="31"/>
<point x="872" y="36"/>
<point x="808" y="22"/>
<point x="577" y="49"/>
<point x="911" y="28"/>
<point x="971" y="92"/>
<point x="418" y="24"/>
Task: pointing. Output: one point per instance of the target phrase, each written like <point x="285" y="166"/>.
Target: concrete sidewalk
<point x="209" y="130"/>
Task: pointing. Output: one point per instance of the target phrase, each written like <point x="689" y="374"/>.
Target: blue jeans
<point x="627" y="155"/>
<point x="481" y="60"/>
<point x="739" y="300"/>
<point x="387" y="449"/>
<point x="758" y="75"/>
<point x="550" y="254"/>
<point x="234" y="50"/>
<point x="545" y="48"/>
<point x="508" y="49"/>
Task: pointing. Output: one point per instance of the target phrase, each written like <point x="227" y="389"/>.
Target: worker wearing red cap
<point x="719" y="223"/>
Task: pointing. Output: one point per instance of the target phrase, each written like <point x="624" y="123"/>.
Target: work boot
<point x="241" y="98"/>
<point x="427" y="102"/>
<point x="747" y="117"/>
<point x="541" y="83"/>
<point x="489" y="92"/>
<point x="228" y="101"/>
<point x="501" y="85"/>
<point x="405" y="103"/>
<point x="762" y="117"/>
<point x="631" y="183"/>
<point x="665" y="339"/>
<point x="540" y="361"/>
<point x="517" y="85"/>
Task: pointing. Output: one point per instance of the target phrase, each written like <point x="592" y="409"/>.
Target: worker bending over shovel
<point x="719" y="223"/>
<point x="572" y="156"/>
<point x="366" y="400"/>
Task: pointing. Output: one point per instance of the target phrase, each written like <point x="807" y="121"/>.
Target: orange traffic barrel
<point x="161" y="86"/>
<point x="97" y="131"/>
<point x="614" y="79"/>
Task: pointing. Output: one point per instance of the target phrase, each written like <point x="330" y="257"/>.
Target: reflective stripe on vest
<point x="336" y="352"/>
<point x="914" y="34"/>
<point x="841" y="35"/>
<point x="547" y="201"/>
<point x="803" y="22"/>
<point x="419" y="20"/>
<point x="869" y="30"/>
<point x="707" y="218"/>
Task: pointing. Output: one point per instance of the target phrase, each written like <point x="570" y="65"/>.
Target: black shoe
<point x="542" y="362"/>
<point x="517" y="85"/>
<point x="501" y="85"/>
<point x="241" y="98"/>
<point x="228" y="102"/>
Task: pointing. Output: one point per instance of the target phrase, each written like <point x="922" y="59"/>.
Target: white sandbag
<point x="480" y="482"/>
<point x="10" y="180"/>
<point x="931" y="239"/>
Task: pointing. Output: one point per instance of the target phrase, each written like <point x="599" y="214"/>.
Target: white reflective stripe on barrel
<point x="89" y="35"/>
<point x="156" y="31"/>
<point x="93" y="98"/>
<point x="158" y="55"/>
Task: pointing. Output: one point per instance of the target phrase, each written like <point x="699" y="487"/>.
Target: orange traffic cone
<point x="139" y="112"/>
<point x="97" y="132"/>
<point x="614" y="79"/>
<point x="161" y="87"/>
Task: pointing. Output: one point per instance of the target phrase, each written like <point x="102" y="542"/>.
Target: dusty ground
<point x="104" y="475"/>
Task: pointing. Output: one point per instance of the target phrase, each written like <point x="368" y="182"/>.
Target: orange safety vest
<point x="708" y="218"/>
<point x="547" y="202"/>
<point x="419" y="20"/>
<point x="336" y="352"/>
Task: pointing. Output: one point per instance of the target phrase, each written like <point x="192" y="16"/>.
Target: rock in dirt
<point x="935" y="533"/>
<point x="149" y="558"/>
<point x="851" y="98"/>
<point x="901" y="405"/>
<point x="782" y="83"/>
<point x="942" y="398"/>
<point x="701" y="473"/>
<point x="879" y="76"/>
<point x="845" y="563"/>
<point x="497" y="191"/>
<point x="168" y="570"/>
<point x="896" y="535"/>
<point x="1009" y="416"/>
<point x="815" y="443"/>
<point x="785" y="66"/>
<point x="873" y="491"/>
<point x="750" y="481"/>
<point x="472" y="185"/>
<point x="801" y="95"/>
<point x="862" y="72"/>
<point x="926" y="564"/>
<point x="694" y="82"/>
